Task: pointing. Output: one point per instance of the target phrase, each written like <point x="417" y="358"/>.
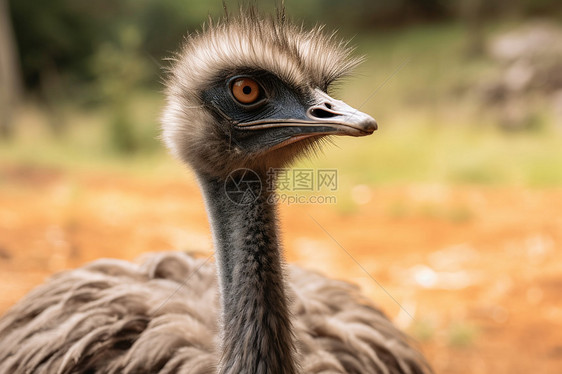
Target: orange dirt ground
<point x="478" y="268"/>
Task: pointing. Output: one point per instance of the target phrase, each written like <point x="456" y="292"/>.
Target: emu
<point x="246" y="94"/>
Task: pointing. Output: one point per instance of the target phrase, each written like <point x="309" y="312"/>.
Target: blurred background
<point x="453" y="206"/>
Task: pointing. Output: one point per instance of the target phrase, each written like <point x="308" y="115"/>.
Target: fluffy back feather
<point x="160" y="316"/>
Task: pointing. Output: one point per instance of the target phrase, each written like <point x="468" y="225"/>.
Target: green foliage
<point x="462" y="335"/>
<point x="416" y="82"/>
<point x="58" y="39"/>
<point x="121" y="135"/>
<point x="423" y="330"/>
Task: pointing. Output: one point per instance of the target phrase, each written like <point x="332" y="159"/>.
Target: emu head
<point x="250" y="92"/>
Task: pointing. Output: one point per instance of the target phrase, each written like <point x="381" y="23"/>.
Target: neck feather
<point x="255" y="330"/>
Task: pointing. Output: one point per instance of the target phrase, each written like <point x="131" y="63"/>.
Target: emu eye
<point x="246" y="90"/>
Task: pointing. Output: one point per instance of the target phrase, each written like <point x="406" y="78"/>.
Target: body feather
<point x="161" y="316"/>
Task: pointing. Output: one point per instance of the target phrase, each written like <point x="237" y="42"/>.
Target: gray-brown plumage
<point x="246" y="93"/>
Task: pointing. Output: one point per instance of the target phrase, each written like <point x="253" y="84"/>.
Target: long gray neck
<point x="256" y="330"/>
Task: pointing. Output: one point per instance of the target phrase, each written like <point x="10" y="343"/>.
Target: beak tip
<point x="370" y="125"/>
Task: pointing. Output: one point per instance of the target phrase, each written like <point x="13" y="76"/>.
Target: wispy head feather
<point x="272" y="43"/>
<point x="303" y="59"/>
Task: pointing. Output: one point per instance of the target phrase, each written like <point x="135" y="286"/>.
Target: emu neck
<point x="255" y="327"/>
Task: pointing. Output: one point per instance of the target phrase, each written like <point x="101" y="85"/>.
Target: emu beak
<point x="337" y="115"/>
<point x="326" y="116"/>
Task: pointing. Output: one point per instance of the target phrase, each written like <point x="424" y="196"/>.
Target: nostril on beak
<point x="322" y="113"/>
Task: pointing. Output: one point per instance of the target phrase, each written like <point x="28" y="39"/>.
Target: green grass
<point x="460" y="155"/>
<point x="462" y="335"/>
<point x="432" y="127"/>
<point x="88" y="141"/>
<point x="419" y="85"/>
<point x="423" y="331"/>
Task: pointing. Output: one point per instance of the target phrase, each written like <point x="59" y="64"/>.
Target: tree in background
<point x="10" y="73"/>
<point x="99" y="52"/>
<point x="471" y="13"/>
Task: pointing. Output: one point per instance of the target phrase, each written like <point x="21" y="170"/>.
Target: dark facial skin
<point x="281" y="113"/>
<point x="277" y="101"/>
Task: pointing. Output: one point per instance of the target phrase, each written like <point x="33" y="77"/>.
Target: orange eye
<point x="246" y="90"/>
